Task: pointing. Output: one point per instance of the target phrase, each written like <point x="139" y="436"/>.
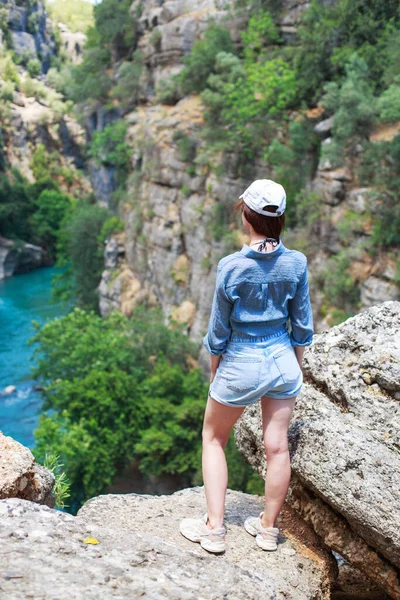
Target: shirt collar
<point x="251" y="253"/>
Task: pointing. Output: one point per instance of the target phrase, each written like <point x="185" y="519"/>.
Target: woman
<point x="254" y="355"/>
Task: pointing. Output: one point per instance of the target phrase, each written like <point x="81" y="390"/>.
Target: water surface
<point x="23" y="298"/>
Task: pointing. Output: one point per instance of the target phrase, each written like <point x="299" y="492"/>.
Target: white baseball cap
<point x="265" y="192"/>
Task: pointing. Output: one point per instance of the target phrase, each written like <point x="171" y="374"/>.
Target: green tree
<point x="80" y="254"/>
<point x="116" y="25"/>
<point x="16" y="206"/>
<point x="93" y="371"/>
<point x="200" y="63"/>
<point x="330" y="34"/>
<point x="51" y="208"/>
<point x="170" y="441"/>
<point x="127" y="89"/>
<point x="90" y="79"/>
<point x="354" y="107"/>
<point x="109" y="148"/>
<point x="117" y="391"/>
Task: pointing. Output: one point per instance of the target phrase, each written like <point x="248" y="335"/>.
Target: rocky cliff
<point x="168" y="253"/>
<point x="339" y="535"/>
<point x="34" y="116"/>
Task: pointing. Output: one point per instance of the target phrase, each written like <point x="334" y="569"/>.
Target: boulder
<point x="23" y="42"/>
<point x="29" y="257"/>
<point x="21" y="476"/>
<point x="73" y="42"/>
<point x="344" y="438"/>
<point x="16" y="258"/>
<point x="135" y="550"/>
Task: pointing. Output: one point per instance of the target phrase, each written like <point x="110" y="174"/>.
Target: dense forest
<point x="127" y="389"/>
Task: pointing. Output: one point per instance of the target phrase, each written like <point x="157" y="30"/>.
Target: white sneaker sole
<point x="261" y="542"/>
<point x="264" y="545"/>
<point x="215" y="547"/>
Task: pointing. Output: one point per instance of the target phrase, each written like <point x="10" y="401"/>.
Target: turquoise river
<point x="23" y="298"/>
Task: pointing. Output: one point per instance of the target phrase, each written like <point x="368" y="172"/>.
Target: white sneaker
<point x="196" y="530"/>
<point x="266" y="537"/>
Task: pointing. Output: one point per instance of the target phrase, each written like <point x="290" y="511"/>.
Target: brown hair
<point x="262" y="224"/>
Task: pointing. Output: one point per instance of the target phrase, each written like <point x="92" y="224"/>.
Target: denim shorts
<point x="254" y="367"/>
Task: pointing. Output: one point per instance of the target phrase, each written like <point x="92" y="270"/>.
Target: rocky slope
<point x="168" y="253"/>
<point x="34" y="116"/>
<point x="344" y="443"/>
<point x="136" y="550"/>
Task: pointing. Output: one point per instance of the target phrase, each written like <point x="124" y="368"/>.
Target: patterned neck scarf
<point x="263" y="244"/>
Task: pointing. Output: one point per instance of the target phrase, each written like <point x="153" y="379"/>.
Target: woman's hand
<point x="215" y="360"/>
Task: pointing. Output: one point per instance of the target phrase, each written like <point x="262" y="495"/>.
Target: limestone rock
<point x="21" y="476"/>
<point x="73" y="42"/>
<point x="344" y="439"/>
<point x="325" y="126"/>
<point x="19" y="259"/>
<point x="140" y="552"/>
<point x="23" y="42"/>
<point x="375" y="289"/>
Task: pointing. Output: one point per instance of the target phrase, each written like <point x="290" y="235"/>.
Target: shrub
<point x="44" y="163"/>
<point x="34" y="67"/>
<point x="8" y="70"/>
<point x="340" y="289"/>
<point x="169" y="91"/>
<point x="389" y="104"/>
<point x="380" y="167"/>
<point x="7" y="91"/>
<point x="200" y="62"/>
<point x="185" y="189"/>
<point x="261" y="32"/>
<point x="186" y="146"/>
<point x="127" y="89"/>
<point x="155" y="38"/>
<point x="33" y="23"/>
<point x="110" y="226"/>
<point x="294" y="162"/>
<point x="62" y="485"/>
<point x="109" y="148"/>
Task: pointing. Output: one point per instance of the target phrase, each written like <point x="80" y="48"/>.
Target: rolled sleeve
<point x="300" y="313"/>
<point x="219" y="328"/>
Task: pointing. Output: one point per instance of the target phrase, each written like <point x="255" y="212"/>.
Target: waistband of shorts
<point x="247" y="339"/>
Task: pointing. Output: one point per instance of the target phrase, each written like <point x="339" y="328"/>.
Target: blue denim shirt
<point x="255" y="295"/>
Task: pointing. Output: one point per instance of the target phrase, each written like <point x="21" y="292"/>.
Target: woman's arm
<point x="299" y="351"/>
<point x="219" y="327"/>
<point x="301" y="318"/>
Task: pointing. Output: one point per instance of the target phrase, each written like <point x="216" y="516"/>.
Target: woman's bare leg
<point x="276" y="416"/>
<point x="218" y="422"/>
